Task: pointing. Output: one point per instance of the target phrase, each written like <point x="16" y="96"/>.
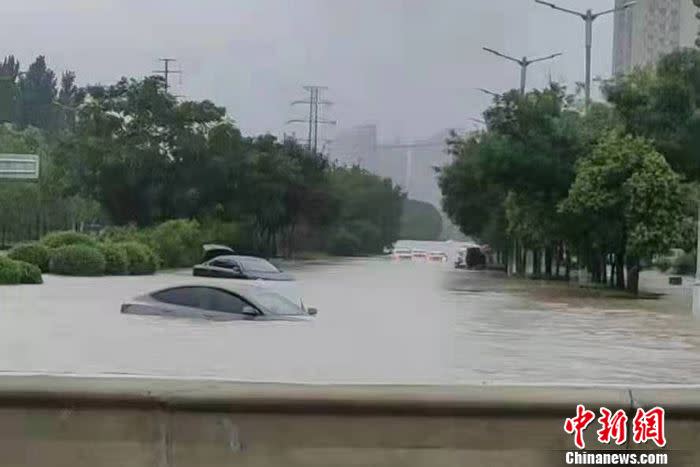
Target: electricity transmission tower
<point x="166" y="71"/>
<point x="313" y="119"/>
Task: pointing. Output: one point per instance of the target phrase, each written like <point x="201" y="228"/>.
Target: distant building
<point x="412" y="166"/>
<point x="356" y="146"/>
<point x="651" y="29"/>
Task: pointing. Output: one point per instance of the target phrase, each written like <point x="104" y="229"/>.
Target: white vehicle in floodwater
<point x="402" y="254"/>
<point x="222" y="300"/>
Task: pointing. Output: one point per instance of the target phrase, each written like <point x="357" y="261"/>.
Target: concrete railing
<point x="135" y="422"/>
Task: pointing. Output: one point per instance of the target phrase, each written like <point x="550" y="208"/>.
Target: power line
<point x="313" y="119"/>
<point x="166" y="71"/>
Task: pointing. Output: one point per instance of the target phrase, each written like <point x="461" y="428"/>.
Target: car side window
<point x="183" y="296"/>
<point x="218" y="300"/>
<point x="226" y="264"/>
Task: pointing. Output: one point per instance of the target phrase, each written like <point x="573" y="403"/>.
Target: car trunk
<point x="214" y="251"/>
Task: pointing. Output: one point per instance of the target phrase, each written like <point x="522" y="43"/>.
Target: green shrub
<point x="178" y="243"/>
<point x="18" y="272"/>
<point x="29" y="273"/>
<point x="124" y="234"/>
<point x="32" y="253"/>
<point x="142" y="259"/>
<point x="344" y="243"/>
<point x="116" y="259"/>
<point x="685" y="264"/>
<point x="10" y="272"/>
<point x="60" y="239"/>
<point x="77" y="260"/>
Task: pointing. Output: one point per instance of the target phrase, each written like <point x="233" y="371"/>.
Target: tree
<point x="663" y="105"/>
<point x="420" y="221"/>
<point x="370" y="208"/>
<point x="137" y="151"/>
<point x="69" y="98"/>
<point x="628" y="187"/>
<point x="37" y="89"/>
<point x="9" y="71"/>
<point x="511" y="178"/>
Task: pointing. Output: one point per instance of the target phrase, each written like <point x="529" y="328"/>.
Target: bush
<point x="685" y="264"/>
<point x="77" y="260"/>
<point x="177" y="242"/>
<point x="123" y="234"/>
<point x="32" y="253"/>
<point x="29" y="273"/>
<point x="18" y="272"/>
<point x="10" y="272"/>
<point x="344" y="243"/>
<point x="116" y="259"/>
<point x="60" y="239"/>
<point x="142" y="259"/>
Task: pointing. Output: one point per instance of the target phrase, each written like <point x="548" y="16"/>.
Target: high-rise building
<point x="651" y="29"/>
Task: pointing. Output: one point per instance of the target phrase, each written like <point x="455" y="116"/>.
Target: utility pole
<point x="696" y="286"/>
<point x="314" y="119"/>
<point x="524" y="63"/>
<point x="588" y="17"/>
<point x="166" y="71"/>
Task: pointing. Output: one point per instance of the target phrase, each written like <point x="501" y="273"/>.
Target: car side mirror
<point x="312" y="311"/>
<point x="250" y="311"/>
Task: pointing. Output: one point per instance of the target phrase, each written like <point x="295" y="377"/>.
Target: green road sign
<point x="19" y="166"/>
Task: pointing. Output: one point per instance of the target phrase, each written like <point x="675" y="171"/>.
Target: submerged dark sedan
<point x="218" y="302"/>
<point x="240" y="267"/>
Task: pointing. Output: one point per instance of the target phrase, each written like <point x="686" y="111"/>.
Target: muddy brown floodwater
<point x="380" y="322"/>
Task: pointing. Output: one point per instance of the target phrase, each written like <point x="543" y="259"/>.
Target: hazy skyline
<point x="409" y="66"/>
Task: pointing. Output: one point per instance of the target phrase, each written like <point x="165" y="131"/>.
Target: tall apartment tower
<point x="651" y="29"/>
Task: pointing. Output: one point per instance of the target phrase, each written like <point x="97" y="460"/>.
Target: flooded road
<point x="380" y="321"/>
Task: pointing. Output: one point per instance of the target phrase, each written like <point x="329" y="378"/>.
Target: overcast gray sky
<point x="410" y="66"/>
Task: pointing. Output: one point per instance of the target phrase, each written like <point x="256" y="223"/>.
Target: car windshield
<point x="277" y="305"/>
<point x="256" y="265"/>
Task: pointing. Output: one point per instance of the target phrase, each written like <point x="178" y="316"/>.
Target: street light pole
<point x="696" y="286"/>
<point x="588" y="17"/>
<point x="524" y="63"/>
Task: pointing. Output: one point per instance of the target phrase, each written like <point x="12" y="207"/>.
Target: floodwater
<point x="380" y="321"/>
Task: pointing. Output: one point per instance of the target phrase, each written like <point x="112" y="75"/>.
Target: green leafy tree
<point x="37" y="88"/>
<point x="663" y="105"/>
<point x="9" y="71"/>
<point x="627" y="187"/>
<point x="420" y="221"/>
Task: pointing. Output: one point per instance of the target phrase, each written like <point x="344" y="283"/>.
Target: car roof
<point x="212" y="246"/>
<point x="240" y="257"/>
<point x="244" y="289"/>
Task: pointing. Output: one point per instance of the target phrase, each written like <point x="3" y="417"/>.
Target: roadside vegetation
<point x="608" y="189"/>
<point x="166" y="173"/>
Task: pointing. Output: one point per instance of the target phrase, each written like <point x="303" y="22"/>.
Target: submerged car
<point x="420" y="254"/>
<point x="240" y="267"/>
<point x="218" y="302"/>
<point x="212" y="251"/>
<point x="402" y="254"/>
<point x="437" y="256"/>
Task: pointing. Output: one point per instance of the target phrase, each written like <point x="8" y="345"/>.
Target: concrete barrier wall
<point x="135" y="422"/>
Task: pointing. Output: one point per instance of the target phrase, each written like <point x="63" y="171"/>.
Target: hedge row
<point x="18" y="272"/>
<point x="75" y="254"/>
<point x="118" y="250"/>
<point x="176" y="243"/>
